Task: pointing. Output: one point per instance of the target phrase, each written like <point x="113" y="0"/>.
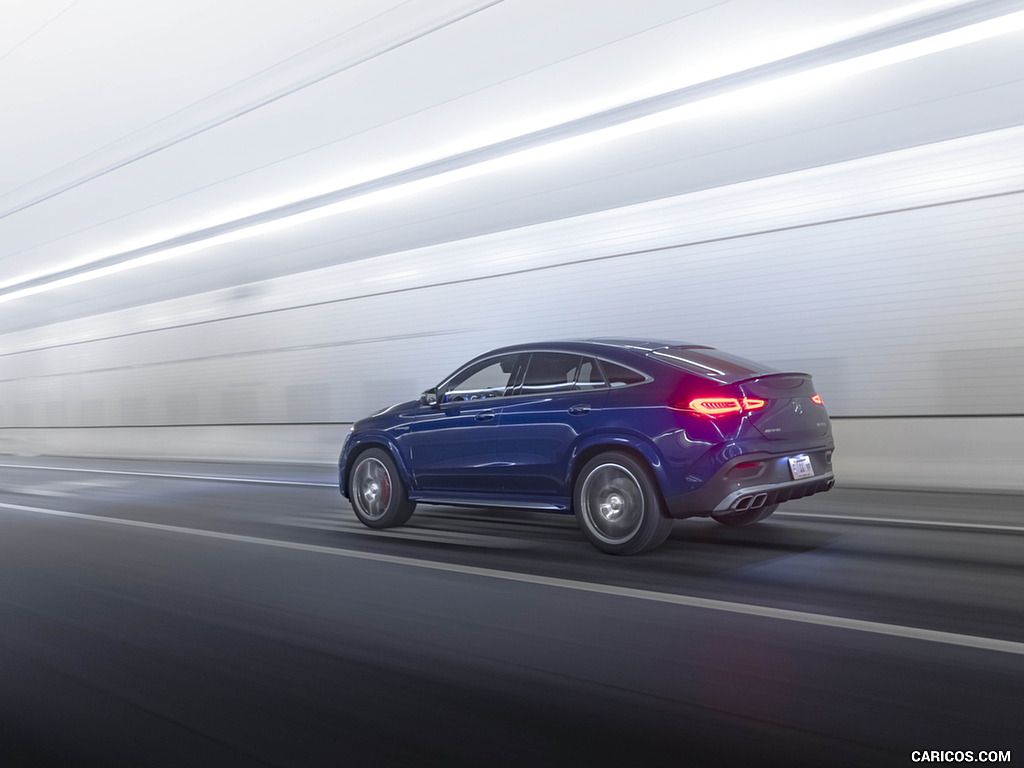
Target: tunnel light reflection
<point x="786" y="87"/>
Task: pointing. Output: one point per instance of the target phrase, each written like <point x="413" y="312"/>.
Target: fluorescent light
<point x="785" y="87"/>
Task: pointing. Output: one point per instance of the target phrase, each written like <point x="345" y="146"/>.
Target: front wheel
<point x="618" y="507"/>
<point x="746" y="517"/>
<point x="376" y="491"/>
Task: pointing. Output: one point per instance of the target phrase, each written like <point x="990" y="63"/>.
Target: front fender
<point x="356" y="444"/>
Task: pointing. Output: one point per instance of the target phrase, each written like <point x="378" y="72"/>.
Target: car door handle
<point x="577" y="410"/>
<point x="485" y="416"/>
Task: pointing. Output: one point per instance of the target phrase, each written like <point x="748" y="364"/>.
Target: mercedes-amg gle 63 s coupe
<point x="627" y="435"/>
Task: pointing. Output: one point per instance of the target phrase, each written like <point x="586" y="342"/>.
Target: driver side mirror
<point x="429" y="397"/>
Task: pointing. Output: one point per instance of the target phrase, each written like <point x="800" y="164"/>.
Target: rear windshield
<point x="714" y="363"/>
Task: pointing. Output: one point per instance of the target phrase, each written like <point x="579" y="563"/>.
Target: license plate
<point x="801" y="467"/>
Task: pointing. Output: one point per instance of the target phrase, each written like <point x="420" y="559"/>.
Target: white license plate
<point x="801" y="467"/>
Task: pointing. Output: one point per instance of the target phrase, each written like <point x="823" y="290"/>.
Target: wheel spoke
<point x="612" y="503"/>
<point x="372" y="488"/>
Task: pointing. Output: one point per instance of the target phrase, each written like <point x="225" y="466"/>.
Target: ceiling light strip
<point x="947" y="29"/>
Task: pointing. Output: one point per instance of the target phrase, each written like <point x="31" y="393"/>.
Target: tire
<point x="618" y="506"/>
<point x="378" y="495"/>
<point x="746" y="517"/>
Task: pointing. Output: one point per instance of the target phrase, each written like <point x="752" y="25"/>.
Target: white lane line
<point x="312" y="484"/>
<point x="901" y="521"/>
<point x="220" y="478"/>
<point x="64" y="487"/>
<point x="838" y="622"/>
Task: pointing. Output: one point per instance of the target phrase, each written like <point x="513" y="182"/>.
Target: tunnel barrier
<point x="951" y="454"/>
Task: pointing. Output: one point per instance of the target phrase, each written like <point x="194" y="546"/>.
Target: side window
<point x="620" y="375"/>
<point x="550" y="373"/>
<point x="589" y="376"/>
<point x="486" y="379"/>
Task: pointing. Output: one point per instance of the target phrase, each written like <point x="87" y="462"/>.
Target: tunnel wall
<point x="897" y="280"/>
<point x="955" y="454"/>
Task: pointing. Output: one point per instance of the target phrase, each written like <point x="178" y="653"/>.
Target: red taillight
<point x="715" y="406"/>
<point x="719" y="406"/>
<point x="816" y="399"/>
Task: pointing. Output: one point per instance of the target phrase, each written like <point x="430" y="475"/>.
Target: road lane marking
<point x="837" y="622"/>
<point x="903" y="521"/>
<point x="314" y="484"/>
<point x="64" y="487"/>
<point x="177" y="476"/>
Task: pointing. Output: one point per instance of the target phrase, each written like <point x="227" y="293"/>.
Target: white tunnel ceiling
<point x="126" y="123"/>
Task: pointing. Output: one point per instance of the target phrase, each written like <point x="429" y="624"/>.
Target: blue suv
<point x="628" y="435"/>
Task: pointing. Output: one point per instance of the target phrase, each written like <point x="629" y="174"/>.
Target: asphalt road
<point x="157" y="614"/>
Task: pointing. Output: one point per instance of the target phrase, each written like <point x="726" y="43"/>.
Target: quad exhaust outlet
<point x="750" y="502"/>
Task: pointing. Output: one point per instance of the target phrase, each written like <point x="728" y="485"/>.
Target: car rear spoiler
<point x="769" y="375"/>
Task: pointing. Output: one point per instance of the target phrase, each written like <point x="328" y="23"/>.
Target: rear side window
<point x="706" y="361"/>
<point x="550" y="373"/>
<point x="589" y="376"/>
<point x="620" y="375"/>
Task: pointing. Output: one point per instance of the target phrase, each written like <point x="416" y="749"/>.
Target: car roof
<point x="595" y="346"/>
<point x="644" y="345"/>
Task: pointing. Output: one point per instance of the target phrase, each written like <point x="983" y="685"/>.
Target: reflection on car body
<point x="627" y="435"/>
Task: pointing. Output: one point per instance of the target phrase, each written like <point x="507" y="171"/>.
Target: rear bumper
<point x="737" y="487"/>
<point x="763" y="495"/>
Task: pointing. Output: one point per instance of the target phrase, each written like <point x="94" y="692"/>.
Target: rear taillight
<point x="816" y="399"/>
<point x="719" y="406"/>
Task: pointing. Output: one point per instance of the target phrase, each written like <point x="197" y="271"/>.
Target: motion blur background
<point x="228" y="230"/>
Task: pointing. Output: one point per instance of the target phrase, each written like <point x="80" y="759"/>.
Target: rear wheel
<point x="746" y="517"/>
<point x="618" y="507"/>
<point x="377" y="492"/>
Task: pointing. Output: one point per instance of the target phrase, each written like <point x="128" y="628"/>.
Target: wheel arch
<point x="639" y="450"/>
<point x="361" y="447"/>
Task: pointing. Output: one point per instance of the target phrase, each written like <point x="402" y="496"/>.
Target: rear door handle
<point x="485" y="416"/>
<point x="577" y="410"/>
